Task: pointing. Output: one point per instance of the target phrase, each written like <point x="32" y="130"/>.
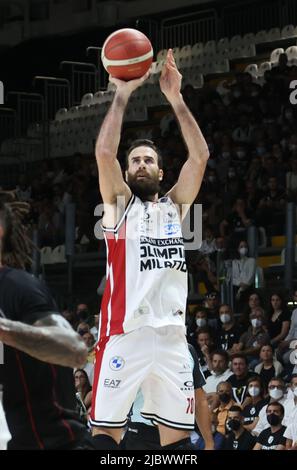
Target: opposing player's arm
<point x="191" y="175"/>
<point x="50" y="339"/>
<point x="111" y="180"/>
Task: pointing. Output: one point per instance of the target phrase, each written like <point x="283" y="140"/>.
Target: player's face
<point x="143" y="174"/>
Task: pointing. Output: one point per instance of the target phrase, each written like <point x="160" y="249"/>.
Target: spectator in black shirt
<point x="251" y="411"/>
<point x="229" y="333"/>
<point x="273" y="438"/>
<point x="239" y="379"/>
<point x="38" y="394"/>
<point x="279" y="319"/>
<point x="238" y="438"/>
<point x="204" y="347"/>
<point x="268" y="367"/>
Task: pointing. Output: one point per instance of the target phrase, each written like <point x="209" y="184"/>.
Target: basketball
<point x="127" y="54"/>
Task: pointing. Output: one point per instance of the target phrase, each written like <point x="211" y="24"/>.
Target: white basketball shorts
<point x="155" y="360"/>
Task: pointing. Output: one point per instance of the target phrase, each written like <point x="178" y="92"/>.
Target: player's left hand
<point x="171" y="78"/>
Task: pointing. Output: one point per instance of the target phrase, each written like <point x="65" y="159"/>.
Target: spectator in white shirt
<point x="219" y="373"/>
<point x="243" y="272"/>
<point x="276" y="390"/>
<point x="290" y="404"/>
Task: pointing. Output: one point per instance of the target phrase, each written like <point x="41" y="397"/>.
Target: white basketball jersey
<point x="146" y="277"/>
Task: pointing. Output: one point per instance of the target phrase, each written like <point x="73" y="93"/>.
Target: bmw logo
<point x="116" y="363"/>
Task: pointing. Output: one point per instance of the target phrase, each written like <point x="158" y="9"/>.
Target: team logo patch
<point x="116" y="363"/>
<point x="270" y="440"/>
<point x="171" y="229"/>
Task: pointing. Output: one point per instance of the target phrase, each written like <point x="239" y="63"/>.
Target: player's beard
<point x="144" y="188"/>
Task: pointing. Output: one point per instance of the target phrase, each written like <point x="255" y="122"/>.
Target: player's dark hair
<point x="16" y="246"/>
<point x="144" y="143"/>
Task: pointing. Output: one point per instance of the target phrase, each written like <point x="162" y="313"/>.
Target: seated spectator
<point x="230" y="332"/>
<point x="204" y="347"/>
<point x="243" y="274"/>
<point x="24" y="190"/>
<point x="95" y="328"/>
<point x="224" y="392"/>
<point x="271" y="208"/>
<point x="235" y="225"/>
<point x="83" y="393"/>
<point x="273" y="438"/>
<point x="251" y="411"/>
<point x="208" y="245"/>
<point x="256" y="335"/>
<point x="284" y="351"/>
<point x="89" y="365"/>
<point x="254" y="301"/>
<point x="268" y="367"/>
<point x="200" y="321"/>
<point x="219" y="373"/>
<point x="278" y="319"/>
<point x="290" y="404"/>
<point x="212" y="303"/>
<point x="238" y="438"/>
<point x="240" y="377"/>
<point x="276" y="391"/>
<point x="50" y="226"/>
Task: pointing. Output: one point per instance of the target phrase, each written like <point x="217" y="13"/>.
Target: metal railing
<point x="84" y="79"/>
<point x="29" y="109"/>
<point x="181" y="30"/>
<point x="102" y="74"/>
<point x="8" y="123"/>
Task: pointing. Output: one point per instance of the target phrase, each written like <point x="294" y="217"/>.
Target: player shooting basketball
<point x="142" y="335"/>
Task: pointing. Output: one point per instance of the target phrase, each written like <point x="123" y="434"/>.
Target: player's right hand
<point x="126" y="88"/>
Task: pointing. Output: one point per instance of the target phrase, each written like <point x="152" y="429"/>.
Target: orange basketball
<point x="127" y="54"/>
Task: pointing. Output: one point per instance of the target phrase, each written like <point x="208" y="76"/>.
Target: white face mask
<point x="254" y="391"/>
<point x="225" y="318"/>
<point x="200" y="322"/>
<point x="275" y="393"/>
<point x="243" y="251"/>
<point x="256" y="322"/>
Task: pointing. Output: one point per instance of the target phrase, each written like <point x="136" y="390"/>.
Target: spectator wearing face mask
<point x="200" y="321"/>
<point x="224" y="392"/>
<point x="276" y="390"/>
<point x="238" y="438"/>
<point x="243" y="274"/>
<point x="230" y="332"/>
<point x="269" y="367"/>
<point x="272" y="438"/>
<point x="251" y="341"/>
<point x="240" y="377"/>
<point x="254" y="301"/>
<point x="257" y="401"/>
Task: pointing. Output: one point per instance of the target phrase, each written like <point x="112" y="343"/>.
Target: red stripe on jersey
<point x="97" y="369"/>
<point x="111" y="244"/>
<point x="118" y="298"/>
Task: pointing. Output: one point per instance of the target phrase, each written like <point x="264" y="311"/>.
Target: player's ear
<point x="161" y="174"/>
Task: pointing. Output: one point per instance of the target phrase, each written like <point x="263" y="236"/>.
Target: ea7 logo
<point x="1" y="93"/>
<point x="293" y="94"/>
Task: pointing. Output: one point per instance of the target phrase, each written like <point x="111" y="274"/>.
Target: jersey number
<point x="190" y="407"/>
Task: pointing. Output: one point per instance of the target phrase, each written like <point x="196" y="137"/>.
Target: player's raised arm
<point x="190" y="178"/>
<point x="110" y="175"/>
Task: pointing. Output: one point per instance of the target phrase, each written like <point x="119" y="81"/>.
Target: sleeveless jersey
<point x="146" y="275"/>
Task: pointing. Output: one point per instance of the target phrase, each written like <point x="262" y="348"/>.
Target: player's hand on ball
<point x="127" y="88"/>
<point x="171" y="78"/>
